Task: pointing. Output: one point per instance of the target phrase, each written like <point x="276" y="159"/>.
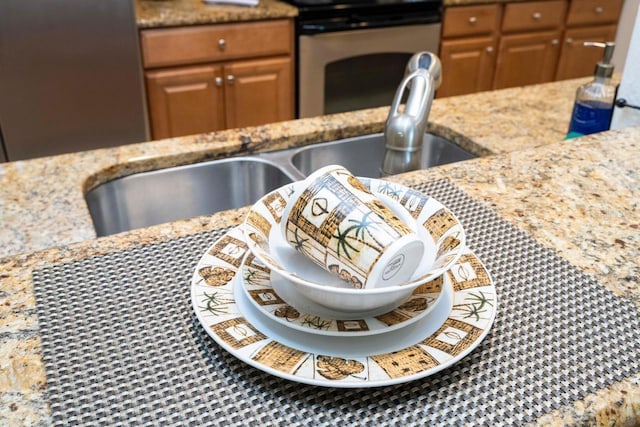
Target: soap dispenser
<point x="594" y="101"/>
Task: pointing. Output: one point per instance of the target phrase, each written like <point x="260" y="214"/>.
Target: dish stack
<point x="345" y="282"/>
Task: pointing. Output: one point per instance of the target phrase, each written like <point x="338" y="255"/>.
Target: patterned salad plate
<point x="457" y="323"/>
<point x="279" y="300"/>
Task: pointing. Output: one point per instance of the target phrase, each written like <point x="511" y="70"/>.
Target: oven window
<point x="363" y="82"/>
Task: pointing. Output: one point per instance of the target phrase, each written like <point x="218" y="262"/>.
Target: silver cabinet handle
<point x="555" y="42"/>
<point x="489" y="49"/>
<point x="222" y="44"/>
<point x="473" y="20"/>
<point x="599" y="9"/>
<point x="218" y="81"/>
<point x="231" y="79"/>
<point x="569" y="40"/>
<point x="537" y="16"/>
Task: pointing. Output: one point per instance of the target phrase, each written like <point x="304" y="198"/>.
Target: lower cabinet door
<point x="467" y="65"/>
<point x="525" y="59"/>
<point x="577" y="60"/>
<point x="185" y="100"/>
<point x="258" y="91"/>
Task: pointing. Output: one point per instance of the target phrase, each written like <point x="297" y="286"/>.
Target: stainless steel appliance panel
<point x="70" y="76"/>
<point x="317" y="51"/>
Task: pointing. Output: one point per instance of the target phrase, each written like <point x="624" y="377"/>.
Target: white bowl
<point x="440" y="231"/>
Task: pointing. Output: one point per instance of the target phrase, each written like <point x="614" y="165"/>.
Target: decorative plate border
<point x="256" y="282"/>
<point x="214" y="297"/>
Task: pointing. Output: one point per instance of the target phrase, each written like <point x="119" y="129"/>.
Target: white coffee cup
<point x="335" y="221"/>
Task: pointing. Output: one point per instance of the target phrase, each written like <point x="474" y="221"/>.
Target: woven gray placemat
<point x="122" y="346"/>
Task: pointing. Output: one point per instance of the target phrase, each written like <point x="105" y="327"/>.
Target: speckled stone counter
<point x="579" y="197"/>
<point x="172" y="13"/>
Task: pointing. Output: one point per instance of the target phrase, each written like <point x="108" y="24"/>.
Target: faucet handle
<point x="426" y="61"/>
<point x="416" y="83"/>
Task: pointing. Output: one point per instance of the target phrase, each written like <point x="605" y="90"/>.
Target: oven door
<point x="350" y="70"/>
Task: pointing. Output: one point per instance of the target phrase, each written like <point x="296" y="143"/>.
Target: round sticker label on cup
<point x="394" y="266"/>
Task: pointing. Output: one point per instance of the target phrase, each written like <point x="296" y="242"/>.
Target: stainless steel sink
<point x="363" y="155"/>
<point x="150" y="198"/>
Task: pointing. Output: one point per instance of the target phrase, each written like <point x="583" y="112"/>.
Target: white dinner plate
<point x="458" y="323"/>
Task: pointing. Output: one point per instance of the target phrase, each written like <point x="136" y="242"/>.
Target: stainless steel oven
<point x="351" y="54"/>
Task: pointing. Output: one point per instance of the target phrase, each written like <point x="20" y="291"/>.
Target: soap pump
<point x="594" y="101"/>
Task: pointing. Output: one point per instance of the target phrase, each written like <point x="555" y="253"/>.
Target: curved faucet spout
<point x="405" y="130"/>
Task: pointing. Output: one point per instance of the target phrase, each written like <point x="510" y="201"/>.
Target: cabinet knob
<point x="473" y="20"/>
<point x="222" y="44"/>
<point x="231" y="79"/>
<point x="537" y="16"/>
<point x="569" y="40"/>
<point x="218" y="81"/>
<point x="599" y="9"/>
<point x="489" y="49"/>
<point x="555" y="42"/>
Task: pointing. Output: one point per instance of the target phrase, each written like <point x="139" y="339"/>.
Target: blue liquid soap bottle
<point x="594" y="101"/>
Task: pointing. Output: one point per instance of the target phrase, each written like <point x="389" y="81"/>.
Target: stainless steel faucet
<point x="405" y="130"/>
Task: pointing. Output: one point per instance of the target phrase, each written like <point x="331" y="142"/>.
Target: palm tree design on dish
<point x="343" y="243"/>
<point x="316" y="322"/>
<point x="215" y="303"/>
<point x="360" y="231"/>
<point x="475" y="306"/>
<point x="300" y="244"/>
<point x="364" y="226"/>
<point x="391" y="191"/>
<point x="255" y="277"/>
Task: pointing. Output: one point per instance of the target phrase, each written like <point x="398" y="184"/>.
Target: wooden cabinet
<point x="593" y="12"/>
<point x="520" y="43"/>
<point x="530" y="43"/>
<point x="525" y="59"/>
<point x="577" y="60"/>
<point x="258" y="92"/>
<point x="467" y="65"/>
<point x="467" y="52"/>
<point x="587" y="20"/>
<point x="207" y="78"/>
<point x="185" y="100"/>
<point x="534" y="16"/>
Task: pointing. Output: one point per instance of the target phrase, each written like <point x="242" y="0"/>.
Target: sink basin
<point x="363" y="155"/>
<point x="150" y="198"/>
<point x="164" y="195"/>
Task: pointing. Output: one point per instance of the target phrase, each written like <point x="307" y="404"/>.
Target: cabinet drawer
<point x="532" y="16"/>
<point x="470" y="20"/>
<point x="594" y="12"/>
<point x="199" y="44"/>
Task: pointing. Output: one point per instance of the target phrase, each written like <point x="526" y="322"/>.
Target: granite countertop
<point x="172" y="13"/>
<point x="578" y="197"/>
